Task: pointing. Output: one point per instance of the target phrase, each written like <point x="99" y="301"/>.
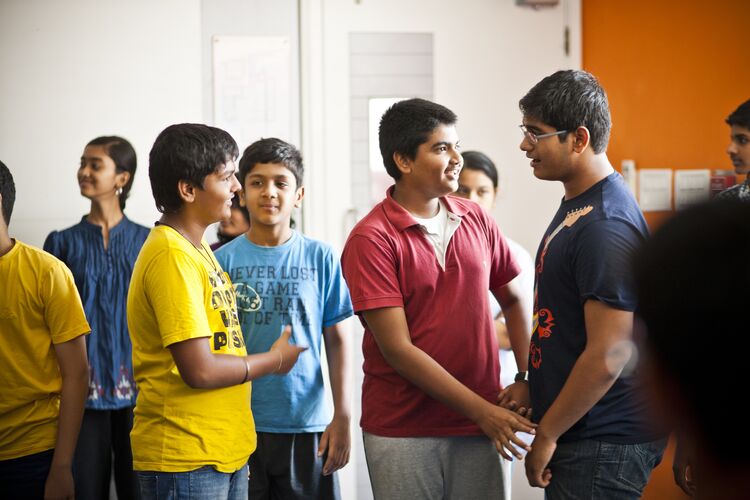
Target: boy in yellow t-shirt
<point x="44" y="372"/>
<point x="193" y="431"/>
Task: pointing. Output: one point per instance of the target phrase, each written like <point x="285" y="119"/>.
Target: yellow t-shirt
<point x="178" y="293"/>
<point x="39" y="307"/>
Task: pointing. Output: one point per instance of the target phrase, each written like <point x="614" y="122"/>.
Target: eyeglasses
<point x="534" y="138"/>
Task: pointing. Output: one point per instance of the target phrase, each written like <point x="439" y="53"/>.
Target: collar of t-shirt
<point x="438" y="230"/>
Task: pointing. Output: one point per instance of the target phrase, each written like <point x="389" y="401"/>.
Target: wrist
<point x="521" y="376"/>
<point x="281" y="360"/>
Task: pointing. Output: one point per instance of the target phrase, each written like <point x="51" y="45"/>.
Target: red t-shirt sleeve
<point x="504" y="266"/>
<point x="370" y="270"/>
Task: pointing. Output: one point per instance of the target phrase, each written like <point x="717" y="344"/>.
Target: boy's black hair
<point x="406" y="125"/>
<point x="8" y="191"/>
<point x="567" y="100"/>
<point x="476" y="160"/>
<point x="740" y="116"/>
<point x="123" y="155"/>
<point x="694" y="308"/>
<point x="271" y="150"/>
<point x="185" y="152"/>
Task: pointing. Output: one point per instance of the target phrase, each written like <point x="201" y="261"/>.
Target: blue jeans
<point x="205" y="483"/>
<point x="590" y="469"/>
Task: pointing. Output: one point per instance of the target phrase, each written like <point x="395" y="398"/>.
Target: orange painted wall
<point x="673" y="70"/>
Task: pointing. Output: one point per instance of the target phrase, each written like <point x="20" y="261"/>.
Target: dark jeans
<point x="23" y="478"/>
<point x="104" y="434"/>
<point x="592" y="470"/>
<point x="205" y="483"/>
<point x="287" y="466"/>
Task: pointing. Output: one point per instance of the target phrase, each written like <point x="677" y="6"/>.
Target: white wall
<point x="488" y="53"/>
<point x="76" y="69"/>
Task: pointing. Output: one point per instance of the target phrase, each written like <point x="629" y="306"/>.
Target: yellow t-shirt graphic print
<point x="179" y="292"/>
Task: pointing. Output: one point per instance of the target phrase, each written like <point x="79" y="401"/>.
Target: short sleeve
<point x="602" y="259"/>
<point x="175" y="288"/>
<point x="338" y="304"/>
<point x="63" y="310"/>
<point x="504" y="267"/>
<point x="370" y="271"/>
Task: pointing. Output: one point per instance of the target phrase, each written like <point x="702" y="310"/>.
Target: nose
<point x="456" y="158"/>
<point x="525" y="144"/>
<point x="236" y="186"/>
<point x="732" y="149"/>
<point x="269" y="190"/>
<point x="474" y="196"/>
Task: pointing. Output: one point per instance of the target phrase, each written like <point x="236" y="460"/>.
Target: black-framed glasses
<point x="534" y="138"/>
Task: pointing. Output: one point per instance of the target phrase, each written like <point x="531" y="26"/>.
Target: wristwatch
<point x="521" y="377"/>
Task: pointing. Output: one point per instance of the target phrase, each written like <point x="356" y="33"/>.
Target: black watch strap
<point x="521" y="377"/>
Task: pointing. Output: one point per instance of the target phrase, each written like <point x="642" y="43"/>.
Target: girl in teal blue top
<point x="100" y="251"/>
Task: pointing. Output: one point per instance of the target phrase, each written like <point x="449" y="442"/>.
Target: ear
<point x="122" y="179"/>
<point x="298" y="196"/>
<point x="241" y="195"/>
<point x="186" y="190"/>
<point x="403" y="162"/>
<point x="581" y="139"/>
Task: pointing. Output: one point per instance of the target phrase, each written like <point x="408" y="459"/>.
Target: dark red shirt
<point x="388" y="262"/>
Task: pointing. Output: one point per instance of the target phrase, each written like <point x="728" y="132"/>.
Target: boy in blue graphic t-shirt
<point x="284" y="278"/>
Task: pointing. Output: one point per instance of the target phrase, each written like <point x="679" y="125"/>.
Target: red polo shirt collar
<point x="402" y="219"/>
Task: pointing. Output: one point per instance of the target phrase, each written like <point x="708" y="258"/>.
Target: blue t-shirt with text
<point x="298" y="283"/>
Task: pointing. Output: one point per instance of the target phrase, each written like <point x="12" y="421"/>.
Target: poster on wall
<point x="251" y="87"/>
<point x="691" y="187"/>
<point x="655" y="189"/>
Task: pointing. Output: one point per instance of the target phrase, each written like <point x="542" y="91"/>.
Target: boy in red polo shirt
<point x="418" y="267"/>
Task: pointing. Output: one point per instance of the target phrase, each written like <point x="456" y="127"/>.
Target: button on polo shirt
<point x="388" y="262"/>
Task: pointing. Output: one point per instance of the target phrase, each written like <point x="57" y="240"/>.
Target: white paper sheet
<point x="655" y="189"/>
<point x="690" y="187"/>
<point x="251" y="87"/>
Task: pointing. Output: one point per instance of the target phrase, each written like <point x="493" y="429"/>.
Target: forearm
<point x="75" y="386"/>
<point x="501" y="332"/>
<point x="518" y="324"/>
<point x="338" y="370"/>
<point x="225" y="370"/>
<point x="587" y="383"/>
<point x="420" y="369"/>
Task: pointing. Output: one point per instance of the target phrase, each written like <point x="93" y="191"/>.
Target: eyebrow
<point x="279" y="176"/>
<point x="444" y="143"/>
<point x="92" y="158"/>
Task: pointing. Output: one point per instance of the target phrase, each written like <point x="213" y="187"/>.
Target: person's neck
<point x="416" y="203"/>
<point x="105" y="213"/>
<point x="6" y="242"/>
<point x="591" y="170"/>
<point x="269" y="236"/>
<point x="191" y="229"/>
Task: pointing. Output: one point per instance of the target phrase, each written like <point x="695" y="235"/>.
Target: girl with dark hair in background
<point x="100" y="251"/>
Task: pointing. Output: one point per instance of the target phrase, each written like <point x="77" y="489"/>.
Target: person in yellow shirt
<point x="44" y="374"/>
<point x="193" y="431"/>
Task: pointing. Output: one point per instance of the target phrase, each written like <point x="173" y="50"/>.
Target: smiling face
<point x="270" y="194"/>
<point x="550" y="157"/>
<point x="476" y="186"/>
<point x="97" y="174"/>
<point x="739" y="149"/>
<point x="435" y="169"/>
<point x="214" y="199"/>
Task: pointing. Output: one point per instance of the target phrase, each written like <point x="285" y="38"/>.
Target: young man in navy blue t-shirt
<point x="593" y="439"/>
